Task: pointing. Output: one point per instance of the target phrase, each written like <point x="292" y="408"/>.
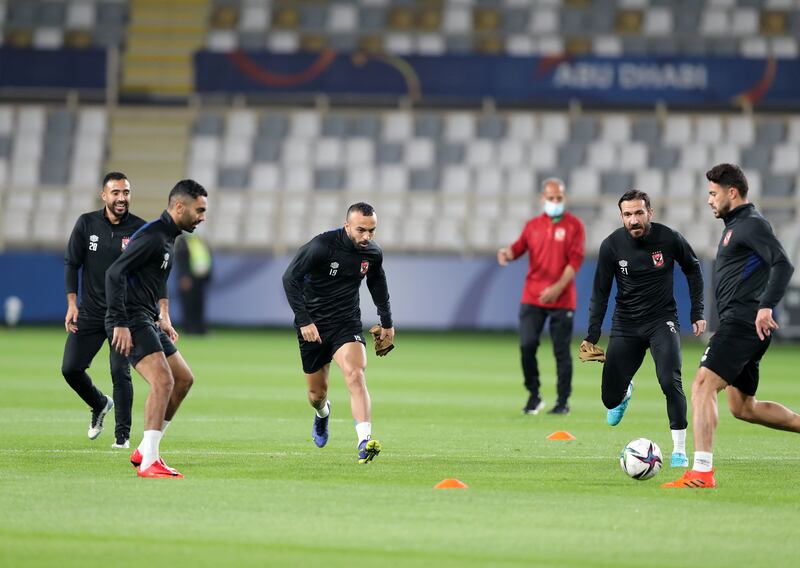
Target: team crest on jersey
<point x="560" y="234"/>
<point x="93" y="242"/>
<point x="334" y="268"/>
<point x="125" y="241"/>
<point x="727" y="238"/>
<point x="364" y="266"/>
<point x="658" y="259"/>
<point x="623" y="266"/>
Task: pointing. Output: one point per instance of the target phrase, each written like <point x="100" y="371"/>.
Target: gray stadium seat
<point x="51" y="14"/>
<point x="778" y="185"/>
<point x="371" y="18"/>
<point x="584" y="129"/>
<point x="208" y="123"/>
<point x="571" y="155"/>
<point x="491" y="126"/>
<point x="756" y="158"/>
<point x="428" y="126"/>
<point x="54" y="172"/>
<point x="112" y="13"/>
<point x="389" y="153"/>
<point x="335" y="125"/>
<point x="663" y="157"/>
<point x="646" y="129"/>
<point x="329" y="179"/>
<point x="770" y="132"/>
<point x="234" y="177"/>
<point x="424" y="179"/>
<point x="450" y="153"/>
<point x="273" y="126"/>
<point x="267" y="150"/>
<point x="366" y="125"/>
<point x="615" y="183"/>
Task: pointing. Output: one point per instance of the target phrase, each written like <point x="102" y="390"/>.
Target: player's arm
<point x="138" y="251"/>
<point x="514" y="250"/>
<point x="379" y="290"/>
<point x="601" y="289"/>
<point x="308" y="256"/>
<point x="690" y="265"/>
<point x="74" y="257"/>
<point x="164" y="321"/>
<point x="766" y="245"/>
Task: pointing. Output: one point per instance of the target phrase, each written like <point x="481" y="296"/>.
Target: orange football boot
<point x="694" y="480"/>
<point x="159" y="469"/>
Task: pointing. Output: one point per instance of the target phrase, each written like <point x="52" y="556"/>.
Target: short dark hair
<point x="634" y="195"/>
<point x="364" y="208"/>
<point x="727" y="176"/>
<point x="113" y="176"/>
<point x="187" y="188"/>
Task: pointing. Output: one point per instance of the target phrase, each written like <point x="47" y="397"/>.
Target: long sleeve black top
<point x="322" y="282"/>
<point x="752" y="270"/>
<point x="138" y="278"/>
<point x="643" y="269"/>
<point x="95" y="243"/>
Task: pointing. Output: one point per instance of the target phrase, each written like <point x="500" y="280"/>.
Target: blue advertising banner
<point x="628" y="81"/>
<point x="53" y="68"/>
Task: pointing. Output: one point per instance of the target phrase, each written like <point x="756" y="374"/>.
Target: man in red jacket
<point x="554" y="242"/>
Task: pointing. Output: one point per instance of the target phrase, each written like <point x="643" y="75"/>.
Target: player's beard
<point x="112" y="209"/>
<point x="645" y="228"/>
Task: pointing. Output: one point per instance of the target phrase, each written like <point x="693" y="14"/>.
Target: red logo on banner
<point x="125" y="241"/>
<point x="658" y="259"/>
<point x="727" y="238"/>
<point x="364" y="266"/>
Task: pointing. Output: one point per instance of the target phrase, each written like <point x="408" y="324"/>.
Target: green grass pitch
<point x="258" y="492"/>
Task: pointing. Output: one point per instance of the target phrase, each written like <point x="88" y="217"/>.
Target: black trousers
<point x="193" y="307"/>
<point x="531" y="324"/>
<point x="79" y="351"/>
<point x="625" y="354"/>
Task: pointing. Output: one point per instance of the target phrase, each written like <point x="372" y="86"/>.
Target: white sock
<point x="164" y="425"/>
<point x="149" y="448"/>
<point x="679" y="441"/>
<point x="324" y="411"/>
<point x="363" y="431"/>
<point x="703" y="461"/>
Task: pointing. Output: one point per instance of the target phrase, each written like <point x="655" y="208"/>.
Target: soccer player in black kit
<point x="641" y="256"/>
<point x="138" y="323"/>
<point x="751" y="273"/>
<point x="97" y="240"/>
<point x="322" y="284"/>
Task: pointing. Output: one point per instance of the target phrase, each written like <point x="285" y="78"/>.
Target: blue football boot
<point x="368" y="449"/>
<point x="614" y="416"/>
<point x="319" y="433"/>
<point x="678" y="460"/>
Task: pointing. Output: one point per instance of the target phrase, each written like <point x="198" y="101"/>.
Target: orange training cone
<point x="450" y="483"/>
<point x="561" y="435"/>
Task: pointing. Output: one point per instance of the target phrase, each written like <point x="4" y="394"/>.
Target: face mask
<point x="552" y="209"/>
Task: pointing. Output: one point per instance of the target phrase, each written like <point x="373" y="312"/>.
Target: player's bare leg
<point x="705" y="417"/>
<point x="184" y="379"/>
<point x="156" y="371"/>
<point x="764" y="412"/>
<point x="318" y="399"/>
<point x="352" y="360"/>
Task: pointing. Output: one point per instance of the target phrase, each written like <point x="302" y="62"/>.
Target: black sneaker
<point x="559" y="409"/>
<point x="96" y="424"/>
<point x="534" y="405"/>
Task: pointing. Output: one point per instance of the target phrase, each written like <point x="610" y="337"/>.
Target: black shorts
<point x="316" y="355"/>
<point x="147" y="338"/>
<point x="734" y="353"/>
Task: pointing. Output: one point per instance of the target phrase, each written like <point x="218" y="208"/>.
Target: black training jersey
<point x="138" y="278"/>
<point x="323" y="280"/>
<point x="643" y="269"/>
<point x="752" y="270"/>
<point x="95" y="243"/>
